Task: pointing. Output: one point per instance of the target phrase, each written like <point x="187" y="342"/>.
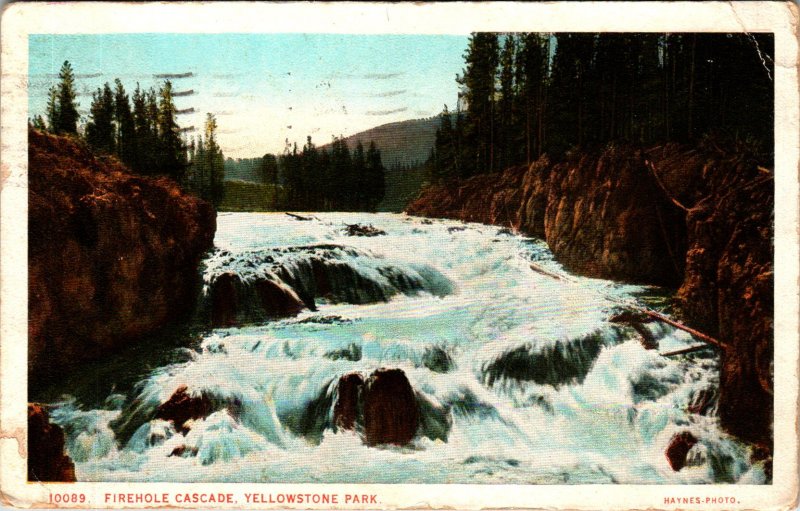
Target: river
<point x="520" y="377"/>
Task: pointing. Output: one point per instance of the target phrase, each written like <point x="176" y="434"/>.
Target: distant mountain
<point x="406" y="142"/>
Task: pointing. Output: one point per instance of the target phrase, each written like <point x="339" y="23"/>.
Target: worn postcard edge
<point x="20" y="19"/>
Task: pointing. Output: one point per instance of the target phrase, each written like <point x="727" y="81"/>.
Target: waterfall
<point x="429" y="354"/>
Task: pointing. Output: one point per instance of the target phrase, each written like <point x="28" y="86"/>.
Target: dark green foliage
<point x="67" y="111"/>
<point x="479" y="88"/>
<point x="529" y="94"/>
<point x="38" y="123"/>
<point x="125" y="141"/>
<point x="141" y="131"/>
<point x="206" y="167"/>
<point x="100" y="129"/>
<point x="331" y="178"/>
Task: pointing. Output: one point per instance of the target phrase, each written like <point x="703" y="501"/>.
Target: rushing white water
<point x="521" y="378"/>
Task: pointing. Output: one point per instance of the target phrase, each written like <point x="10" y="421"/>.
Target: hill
<point x="404" y="142"/>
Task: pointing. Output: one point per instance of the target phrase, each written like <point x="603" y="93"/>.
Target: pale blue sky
<point x="265" y="88"/>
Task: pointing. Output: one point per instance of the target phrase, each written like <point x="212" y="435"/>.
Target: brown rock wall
<point x="112" y="256"/>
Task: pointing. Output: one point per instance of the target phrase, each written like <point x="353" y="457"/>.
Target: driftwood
<point x="552" y="275"/>
<point x="653" y="314"/>
<point x="683" y="351"/>
<point x="301" y="217"/>
<point x="695" y="333"/>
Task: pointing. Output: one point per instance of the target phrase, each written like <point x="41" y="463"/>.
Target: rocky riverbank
<point x="696" y="219"/>
<point x="113" y="257"/>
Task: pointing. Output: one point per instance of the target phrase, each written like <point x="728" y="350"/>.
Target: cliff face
<point x="698" y="220"/>
<point x="112" y="256"/>
<point x="46" y="458"/>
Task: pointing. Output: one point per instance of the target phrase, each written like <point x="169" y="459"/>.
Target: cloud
<point x="381" y="76"/>
<point x="386" y="112"/>
<point x="224" y="94"/>
<point x="178" y="94"/>
<point x="388" y="94"/>
<point x="185" y="111"/>
<point x="171" y="76"/>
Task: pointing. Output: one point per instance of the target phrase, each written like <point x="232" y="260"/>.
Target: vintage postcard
<point x="382" y="256"/>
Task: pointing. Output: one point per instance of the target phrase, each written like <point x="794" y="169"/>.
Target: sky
<point x="264" y="88"/>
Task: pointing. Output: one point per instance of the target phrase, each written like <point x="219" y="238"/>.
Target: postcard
<point x="394" y="255"/>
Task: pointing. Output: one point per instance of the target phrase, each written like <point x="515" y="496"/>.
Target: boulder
<point x="224" y="299"/>
<point x="678" y="448"/>
<point x="46" y="458"/>
<point x="348" y="391"/>
<point x="182" y="407"/>
<point x="391" y="414"/>
<point x="183" y="451"/>
<point x="363" y="230"/>
<point x="278" y="301"/>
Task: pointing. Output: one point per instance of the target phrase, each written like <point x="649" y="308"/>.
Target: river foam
<point x="520" y="377"/>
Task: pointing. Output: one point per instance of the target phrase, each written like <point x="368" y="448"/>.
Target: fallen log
<point x="683" y="351"/>
<point x="301" y="217"/>
<point x="680" y="326"/>
<point x="552" y="275"/>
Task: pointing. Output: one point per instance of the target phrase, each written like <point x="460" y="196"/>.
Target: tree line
<point x="141" y="131"/>
<point x="329" y="178"/>
<point x="526" y="94"/>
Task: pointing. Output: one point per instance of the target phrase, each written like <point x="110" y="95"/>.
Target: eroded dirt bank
<point x="700" y="220"/>
<point x="112" y="256"/>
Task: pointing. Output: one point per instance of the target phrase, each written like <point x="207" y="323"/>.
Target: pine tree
<point x="145" y="138"/>
<point x="126" y="133"/>
<point x="361" y="181"/>
<point x="67" y="119"/>
<point x="269" y="169"/>
<point x="376" y="177"/>
<point x="214" y="162"/>
<point x="171" y="151"/>
<point x="52" y="112"/>
<point x="531" y="77"/>
<point x="478" y="81"/>
<point x="100" y="129"/>
<point x="38" y="123"/>
<point x="505" y="107"/>
<point x="310" y="193"/>
<point x="341" y="171"/>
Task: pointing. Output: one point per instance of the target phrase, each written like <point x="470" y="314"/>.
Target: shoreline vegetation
<point x="637" y="157"/>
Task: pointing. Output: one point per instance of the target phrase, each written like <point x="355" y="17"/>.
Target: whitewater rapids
<point x="521" y="377"/>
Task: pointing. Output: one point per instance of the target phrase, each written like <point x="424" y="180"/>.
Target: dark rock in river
<point x="224" y="300"/>
<point x="346" y="409"/>
<point x="678" y="448"/>
<point x="46" y="458"/>
<point x="184" y="451"/>
<point x="113" y="257"/>
<point x="391" y="415"/>
<point x="278" y="300"/>
<point x="182" y="407"/>
<point x="234" y="302"/>
<point x="363" y="230"/>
